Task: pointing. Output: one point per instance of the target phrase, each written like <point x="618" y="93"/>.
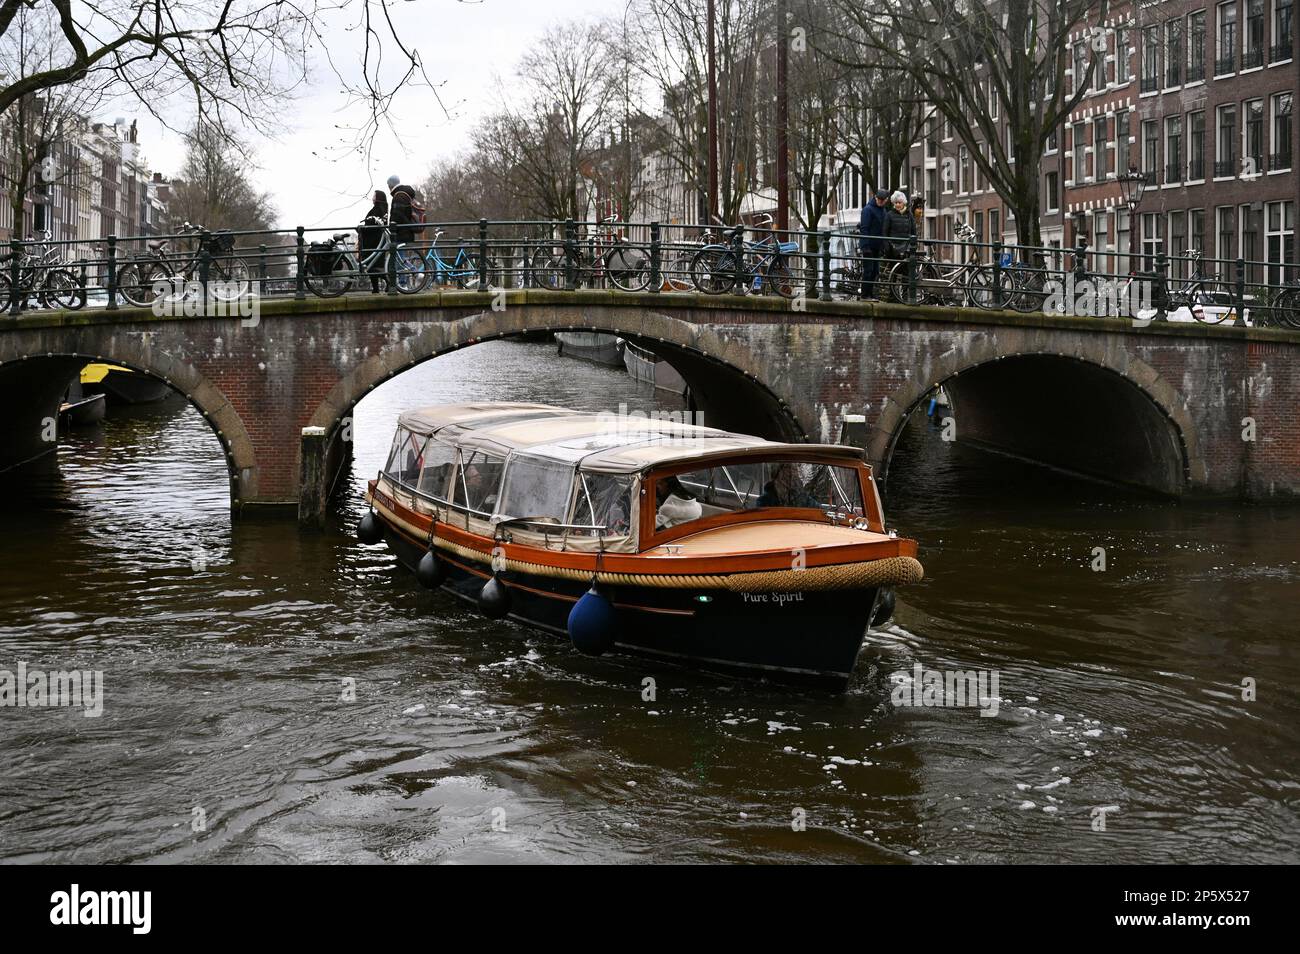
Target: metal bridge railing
<point x="194" y="270"/>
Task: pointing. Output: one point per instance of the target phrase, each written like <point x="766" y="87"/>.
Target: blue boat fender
<point x="592" y="622"/>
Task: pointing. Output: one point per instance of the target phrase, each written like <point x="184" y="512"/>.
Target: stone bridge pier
<point x="1181" y="409"/>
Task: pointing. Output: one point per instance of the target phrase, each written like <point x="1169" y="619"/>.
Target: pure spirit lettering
<point x="772" y="599"/>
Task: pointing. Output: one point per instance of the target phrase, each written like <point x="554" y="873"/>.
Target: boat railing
<point x="547" y="525"/>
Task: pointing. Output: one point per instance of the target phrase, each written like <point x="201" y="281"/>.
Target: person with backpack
<point x="368" y="234"/>
<point x="406" y="217"/>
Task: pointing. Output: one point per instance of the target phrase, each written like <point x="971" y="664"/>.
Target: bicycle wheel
<point x="134" y="284"/>
<point x="713" y="270"/>
<point x="905" y="291"/>
<point x="333" y="283"/>
<point x="411" y="276"/>
<point x="1286" y="308"/>
<point x="628" y="269"/>
<point x="548" y="271"/>
<point x="61" y="290"/>
<point x="779" y="279"/>
<point x="1023" y="290"/>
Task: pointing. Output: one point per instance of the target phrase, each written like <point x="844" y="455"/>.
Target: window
<point x="1254" y="38"/>
<point x="1173" y="149"/>
<point x="963" y="170"/>
<point x="1225" y="142"/>
<point x="1173" y="52"/>
<point x="1053" y="192"/>
<point x="1225" y="59"/>
<point x="1100" y="154"/>
<point x="931" y="187"/>
<point x="1281" y="155"/>
<point x="1196" y="145"/>
<point x="1281" y="31"/>
<point x="1122" y="74"/>
<point x="1122" y="161"/>
<point x="603" y="500"/>
<point x="977" y="223"/>
<point x="1196" y="46"/>
<point x="1254" y="144"/>
<point x="1196" y="229"/>
<point x="1080" y="66"/>
<point x="733" y="487"/>
<point x="1226" y="228"/>
<point x="536" y="487"/>
<point x="1122" y="241"/>
<point x="1150" y="149"/>
<point x="1151" y="239"/>
<point x="405" y="457"/>
<point x="1100" y="235"/>
<point x="436" y="469"/>
<point x="477" y="480"/>
<point x="1079" y="143"/>
<point x="1052" y="141"/>
<point x="1250" y="223"/>
<point x="993" y="101"/>
<point x="1150" y="58"/>
<point x="1280" y="238"/>
<point x="1178" y="244"/>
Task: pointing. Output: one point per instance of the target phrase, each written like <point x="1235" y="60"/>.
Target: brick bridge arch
<point x="1175" y="458"/>
<point x="30" y="384"/>
<point x="726" y="376"/>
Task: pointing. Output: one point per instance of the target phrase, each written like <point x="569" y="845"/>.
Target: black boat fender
<point x="494" y="599"/>
<point x="370" y="530"/>
<point x="591" y="622"/>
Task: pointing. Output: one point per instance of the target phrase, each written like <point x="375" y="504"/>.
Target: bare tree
<point x="234" y="59"/>
<point x="34" y="126"/>
<point x="963" y="55"/>
<point x="668" y="47"/>
<point x="215" y="185"/>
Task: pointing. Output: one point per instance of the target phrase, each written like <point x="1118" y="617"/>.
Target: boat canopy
<point x="597" y="443"/>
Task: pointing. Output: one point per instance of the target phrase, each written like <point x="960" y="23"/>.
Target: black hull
<point x="809" y="639"/>
<point x="129" y="388"/>
<point x="82" y="412"/>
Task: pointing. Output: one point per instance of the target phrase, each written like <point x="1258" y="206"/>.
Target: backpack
<point x="418" y="218"/>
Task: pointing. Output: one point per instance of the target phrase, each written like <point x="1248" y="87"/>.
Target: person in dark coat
<point x="900" y="227"/>
<point x="871" y="245"/>
<point x="401" y="215"/>
<point x="368" y="235"/>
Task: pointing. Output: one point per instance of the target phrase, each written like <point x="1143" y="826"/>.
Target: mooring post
<point x="313" y="477"/>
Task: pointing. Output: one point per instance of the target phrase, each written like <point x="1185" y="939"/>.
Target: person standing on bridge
<point x="900" y="227"/>
<point x="402" y="215"/>
<point x="871" y="245"/>
<point x="368" y="235"/>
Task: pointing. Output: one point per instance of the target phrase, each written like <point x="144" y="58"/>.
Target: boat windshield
<point x="603" y="500"/>
<point x="536" y="488"/>
<point x="754" y="485"/>
<point x="477" y="481"/>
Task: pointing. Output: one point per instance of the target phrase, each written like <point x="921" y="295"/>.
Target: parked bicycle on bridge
<point x="763" y="265"/>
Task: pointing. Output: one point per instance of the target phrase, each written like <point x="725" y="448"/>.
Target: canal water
<point x="227" y="654"/>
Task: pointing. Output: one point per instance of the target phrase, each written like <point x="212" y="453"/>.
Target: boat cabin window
<point x="405" y="458"/>
<point x="603" y="500"/>
<point x="477" y="481"/>
<point x="436" y="468"/>
<point x="729" y="488"/>
<point x="536" y="487"/>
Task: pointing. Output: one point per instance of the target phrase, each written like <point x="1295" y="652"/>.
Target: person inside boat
<point x="674" y="504"/>
<point x="785" y="489"/>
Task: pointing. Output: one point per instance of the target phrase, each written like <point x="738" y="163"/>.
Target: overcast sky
<point x="462" y="44"/>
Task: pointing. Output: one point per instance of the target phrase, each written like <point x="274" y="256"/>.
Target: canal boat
<point x="122" y="385"/>
<point x="646" y="367"/>
<point x="594" y="346"/>
<point x="651" y="537"/>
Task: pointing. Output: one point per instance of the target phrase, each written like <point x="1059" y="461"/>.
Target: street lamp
<point x="1132" y="185"/>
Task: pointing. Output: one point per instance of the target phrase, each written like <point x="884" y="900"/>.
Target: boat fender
<point x="431" y="570"/>
<point x="884" y="607"/>
<point x="370" y="530"/>
<point x="494" y="599"/>
<point x="591" y="622"/>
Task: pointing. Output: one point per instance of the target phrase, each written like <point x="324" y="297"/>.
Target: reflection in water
<point x="226" y="653"/>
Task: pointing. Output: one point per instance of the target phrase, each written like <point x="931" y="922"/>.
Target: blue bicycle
<point x="462" y="271"/>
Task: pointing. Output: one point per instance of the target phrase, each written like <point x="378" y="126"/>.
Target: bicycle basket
<point x="221" y="242"/>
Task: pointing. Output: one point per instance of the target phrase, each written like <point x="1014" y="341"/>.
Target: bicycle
<point x="1198" y="291"/>
<point x="762" y="266"/>
<point x="41" y="273"/>
<point x="611" y="257"/>
<point x="146" y="278"/>
<point x="462" y="271"/>
<point x="332" y="267"/>
<point x="919" y="280"/>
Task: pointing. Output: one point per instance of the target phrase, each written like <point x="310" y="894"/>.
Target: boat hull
<point x="128" y="387"/>
<point x="805" y="638"/>
<point x="591" y="346"/>
<point x="82" y="412"/>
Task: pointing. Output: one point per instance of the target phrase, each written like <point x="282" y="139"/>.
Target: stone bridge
<point x="1182" y="409"/>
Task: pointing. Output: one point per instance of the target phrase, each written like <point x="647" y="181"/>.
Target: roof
<point x="604" y="443"/>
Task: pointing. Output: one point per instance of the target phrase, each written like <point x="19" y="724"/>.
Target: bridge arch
<point x="727" y="379"/>
<point x="32" y="385"/>
<point x="1056" y="403"/>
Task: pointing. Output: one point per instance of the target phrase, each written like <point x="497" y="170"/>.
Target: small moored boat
<point x="122" y="385"/>
<point x="652" y="537"/>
